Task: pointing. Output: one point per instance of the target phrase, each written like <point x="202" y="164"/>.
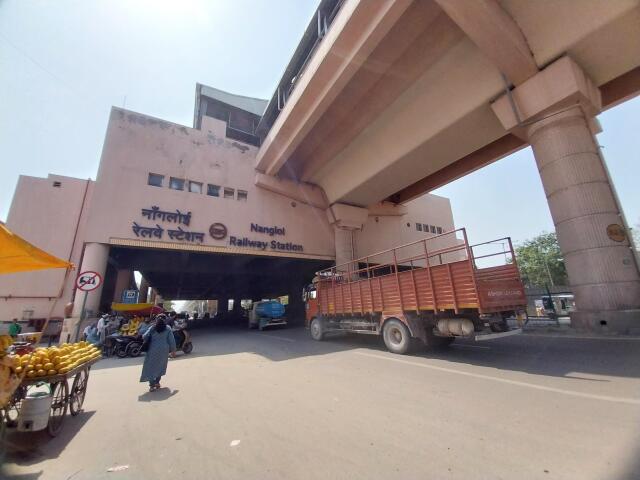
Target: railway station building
<point x="187" y="209"/>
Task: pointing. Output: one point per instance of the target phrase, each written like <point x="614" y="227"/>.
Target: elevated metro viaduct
<point x="381" y="102"/>
<point x="391" y="99"/>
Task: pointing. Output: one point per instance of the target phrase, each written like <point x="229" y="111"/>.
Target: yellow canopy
<point x="18" y="255"/>
<point x="131" y="307"/>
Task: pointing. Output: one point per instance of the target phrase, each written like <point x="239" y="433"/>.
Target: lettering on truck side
<point x="504" y="293"/>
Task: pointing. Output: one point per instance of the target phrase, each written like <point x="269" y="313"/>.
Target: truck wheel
<point x="396" y="336"/>
<point x="317" y="329"/>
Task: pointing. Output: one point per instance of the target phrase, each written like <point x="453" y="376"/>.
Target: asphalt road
<point x="277" y="405"/>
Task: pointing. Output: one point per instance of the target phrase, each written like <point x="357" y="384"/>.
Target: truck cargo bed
<point x="418" y="277"/>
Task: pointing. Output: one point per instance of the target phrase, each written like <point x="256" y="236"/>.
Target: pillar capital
<point x="560" y="86"/>
<point x="347" y="217"/>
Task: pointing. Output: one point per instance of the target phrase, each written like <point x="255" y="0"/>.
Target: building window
<point x="229" y="192"/>
<point x="425" y="227"/>
<point x="195" y="187"/>
<point x="433" y="229"/>
<point x="57" y="184"/>
<point x="439" y="230"/>
<point x="213" y="190"/>
<point x="419" y="227"/>
<point x="176" y="183"/>
<point x="242" y="195"/>
<point x="155" y="180"/>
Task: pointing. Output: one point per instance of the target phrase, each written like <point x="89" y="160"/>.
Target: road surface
<point x="277" y="405"/>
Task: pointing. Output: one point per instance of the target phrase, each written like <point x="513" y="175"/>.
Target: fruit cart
<point x="67" y="391"/>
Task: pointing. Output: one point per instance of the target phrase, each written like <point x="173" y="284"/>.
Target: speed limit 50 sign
<point x="88" y="281"/>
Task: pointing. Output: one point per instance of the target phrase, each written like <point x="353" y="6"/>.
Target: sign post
<point x="86" y="281"/>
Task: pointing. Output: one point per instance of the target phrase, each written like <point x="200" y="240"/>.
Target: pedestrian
<point x="102" y="325"/>
<point x="161" y="345"/>
<point x="15" y="328"/>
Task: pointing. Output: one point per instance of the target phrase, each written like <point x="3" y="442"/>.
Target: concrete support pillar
<point x="223" y="305"/>
<point x="152" y="296"/>
<point x="123" y="282"/>
<point x="345" y="245"/>
<point x="94" y="259"/>
<point x="602" y="271"/>
<point x="554" y="111"/>
<point x="345" y="220"/>
<point x="144" y="290"/>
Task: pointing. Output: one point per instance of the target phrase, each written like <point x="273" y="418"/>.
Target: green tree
<point x="167" y="305"/>
<point x="540" y="261"/>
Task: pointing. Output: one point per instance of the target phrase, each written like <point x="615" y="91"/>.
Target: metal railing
<point x="426" y="256"/>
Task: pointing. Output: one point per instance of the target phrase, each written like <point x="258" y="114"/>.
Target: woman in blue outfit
<point x="161" y="344"/>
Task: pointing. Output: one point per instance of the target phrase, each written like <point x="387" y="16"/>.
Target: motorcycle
<point x="180" y="334"/>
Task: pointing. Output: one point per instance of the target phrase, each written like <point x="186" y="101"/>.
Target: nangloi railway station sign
<point x="155" y="214"/>
<point x="217" y="231"/>
<point x="266" y="244"/>
<point x="259" y="244"/>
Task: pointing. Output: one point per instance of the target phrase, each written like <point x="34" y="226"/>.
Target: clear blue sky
<point x="64" y="64"/>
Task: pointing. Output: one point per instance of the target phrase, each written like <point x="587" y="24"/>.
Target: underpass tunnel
<point x="186" y="275"/>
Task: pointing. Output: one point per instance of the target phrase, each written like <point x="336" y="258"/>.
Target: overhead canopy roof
<point x="248" y="104"/>
<point x="18" y="255"/>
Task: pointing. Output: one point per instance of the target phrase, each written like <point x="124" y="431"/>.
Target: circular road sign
<point x="218" y="231"/>
<point x="616" y="232"/>
<point x="88" y="281"/>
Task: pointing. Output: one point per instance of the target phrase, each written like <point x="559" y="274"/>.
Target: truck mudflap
<point x="492" y="336"/>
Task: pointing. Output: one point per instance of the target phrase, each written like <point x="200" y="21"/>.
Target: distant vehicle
<point x="425" y="293"/>
<point x="267" y="313"/>
<point x="557" y="305"/>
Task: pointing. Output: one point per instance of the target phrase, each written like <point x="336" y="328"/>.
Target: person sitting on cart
<point x="15" y="328"/>
<point x="92" y="335"/>
<point x="144" y="326"/>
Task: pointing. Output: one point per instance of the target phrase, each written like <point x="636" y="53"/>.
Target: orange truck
<point x="425" y="293"/>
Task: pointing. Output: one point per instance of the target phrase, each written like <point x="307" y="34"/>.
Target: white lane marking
<point x="284" y="339"/>
<point x="582" y="337"/>
<point x="463" y="345"/>
<point x="573" y="393"/>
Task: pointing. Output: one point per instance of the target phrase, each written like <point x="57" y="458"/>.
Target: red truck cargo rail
<point x="436" y="274"/>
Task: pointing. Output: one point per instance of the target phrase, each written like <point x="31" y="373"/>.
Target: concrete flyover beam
<point x="496" y="34"/>
<point x="355" y="32"/>
<point x="613" y="93"/>
<point x="421" y="36"/>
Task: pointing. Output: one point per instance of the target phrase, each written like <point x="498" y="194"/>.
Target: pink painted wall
<point x="137" y="145"/>
<point x="47" y="217"/>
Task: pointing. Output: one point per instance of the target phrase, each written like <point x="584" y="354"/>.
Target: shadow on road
<point x="276" y="344"/>
<point x="557" y="356"/>
<point x="158" y="395"/>
<point x="32" y="448"/>
<point x="569" y="358"/>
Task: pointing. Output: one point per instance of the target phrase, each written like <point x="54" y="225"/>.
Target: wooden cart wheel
<point x="78" y="391"/>
<point x="60" y="394"/>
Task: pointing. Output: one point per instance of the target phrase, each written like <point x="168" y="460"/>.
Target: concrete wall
<point x="46" y="216"/>
<point x="137" y="145"/>
<point x="382" y="232"/>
